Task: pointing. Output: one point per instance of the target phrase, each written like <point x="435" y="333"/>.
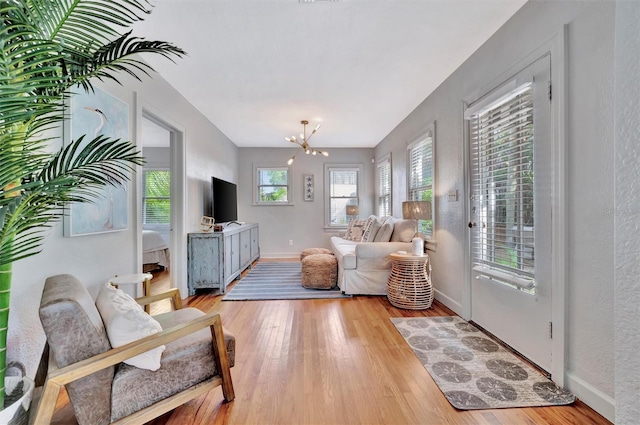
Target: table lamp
<point x="417" y="210"/>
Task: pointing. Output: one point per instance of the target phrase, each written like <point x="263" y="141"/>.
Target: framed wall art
<point x="93" y="114"/>
<point x="308" y="187"/>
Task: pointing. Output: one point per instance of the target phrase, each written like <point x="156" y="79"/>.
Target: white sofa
<point x="364" y="267"/>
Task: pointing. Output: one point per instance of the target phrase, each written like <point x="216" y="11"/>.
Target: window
<point x="156" y="202"/>
<point x="384" y="186"/>
<point x="421" y="175"/>
<point x="342" y="183"/>
<point x="502" y="183"/>
<point x="273" y="185"/>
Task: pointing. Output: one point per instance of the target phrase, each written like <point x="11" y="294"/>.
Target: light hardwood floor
<point x="333" y="362"/>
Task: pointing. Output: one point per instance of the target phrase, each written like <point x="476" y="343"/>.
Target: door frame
<point x="557" y="48"/>
<point x="177" y="246"/>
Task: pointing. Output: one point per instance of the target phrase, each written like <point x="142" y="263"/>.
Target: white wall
<point x="627" y="212"/>
<point x="93" y="259"/>
<point x="302" y="222"/>
<point x="590" y="46"/>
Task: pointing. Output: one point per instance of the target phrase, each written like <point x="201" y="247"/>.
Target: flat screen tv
<point x="224" y="200"/>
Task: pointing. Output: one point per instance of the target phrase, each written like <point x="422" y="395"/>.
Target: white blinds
<point x="502" y="186"/>
<point x="421" y="176"/>
<point x="157" y="197"/>
<point x="384" y="188"/>
<point x="421" y="168"/>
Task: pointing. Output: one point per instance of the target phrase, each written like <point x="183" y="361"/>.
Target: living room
<point x="598" y="362"/>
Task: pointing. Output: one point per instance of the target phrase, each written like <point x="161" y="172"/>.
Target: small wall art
<point x="308" y="187"/>
<point x="94" y="114"/>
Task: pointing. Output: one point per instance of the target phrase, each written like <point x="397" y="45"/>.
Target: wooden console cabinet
<point x="215" y="259"/>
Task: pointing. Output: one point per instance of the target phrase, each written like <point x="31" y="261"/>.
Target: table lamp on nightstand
<point x="417" y="210"/>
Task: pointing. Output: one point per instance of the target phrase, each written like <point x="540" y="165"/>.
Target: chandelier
<point x="303" y="142"/>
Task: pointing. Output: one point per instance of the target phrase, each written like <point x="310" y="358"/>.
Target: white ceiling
<point x="358" y="67"/>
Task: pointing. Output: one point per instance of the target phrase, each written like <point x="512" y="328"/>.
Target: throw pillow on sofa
<point x="372" y="231"/>
<point x="404" y="230"/>
<point x="357" y="229"/>
<point x="126" y="321"/>
<point x="385" y="231"/>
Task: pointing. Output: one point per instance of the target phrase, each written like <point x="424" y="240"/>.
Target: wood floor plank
<point x="333" y="362"/>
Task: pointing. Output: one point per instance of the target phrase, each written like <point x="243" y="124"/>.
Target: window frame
<point x="427" y="136"/>
<point x="154" y="226"/>
<point x="256" y="184"/>
<point x="384" y="161"/>
<point x="328" y="168"/>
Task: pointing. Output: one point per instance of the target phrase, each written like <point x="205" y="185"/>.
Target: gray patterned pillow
<point x="357" y="229"/>
<point x="373" y="229"/>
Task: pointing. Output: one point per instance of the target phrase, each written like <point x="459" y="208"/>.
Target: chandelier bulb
<point x="306" y="151"/>
<point x="290" y="161"/>
<point x="313" y="152"/>
<point x="325" y="153"/>
<point x="316" y="129"/>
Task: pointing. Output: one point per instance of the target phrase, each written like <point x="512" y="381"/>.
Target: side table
<point x="409" y="285"/>
<point x="134" y="279"/>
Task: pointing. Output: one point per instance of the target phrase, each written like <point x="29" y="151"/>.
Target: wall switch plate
<point x="452" y="195"/>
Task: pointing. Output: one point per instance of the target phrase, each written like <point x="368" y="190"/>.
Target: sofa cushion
<point x="357" y="229"/>
<point x="181" y="367"/>
<point x="125" y="322"/>
<point x="385" y="232"/>
<point x="404" y="230"/>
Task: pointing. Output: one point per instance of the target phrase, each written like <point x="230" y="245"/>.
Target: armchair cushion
<point x="126" y="321"/>
<point x="182" y="366"/>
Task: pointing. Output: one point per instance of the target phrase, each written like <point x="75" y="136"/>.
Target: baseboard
<point x="449" y="302"/>
<point x="286" y="255"/>
<point x="591" y="396"/>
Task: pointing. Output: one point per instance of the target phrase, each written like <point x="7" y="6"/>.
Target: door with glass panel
<point x="511" y="177"/>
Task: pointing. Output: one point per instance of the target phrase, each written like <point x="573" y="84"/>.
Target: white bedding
<point x="154" y="249"/>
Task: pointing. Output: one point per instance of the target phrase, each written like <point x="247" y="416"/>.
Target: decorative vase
<point x="418" y="246"/>
<point x="19" y="391"/>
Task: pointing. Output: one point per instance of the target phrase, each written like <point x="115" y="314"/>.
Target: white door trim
<point x="557" y="47"/>
<point x="177" y="249"/>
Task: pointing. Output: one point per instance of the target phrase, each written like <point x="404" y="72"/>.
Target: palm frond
<point x="80" y="24"/>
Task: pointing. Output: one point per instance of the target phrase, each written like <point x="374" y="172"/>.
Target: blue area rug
<point x="277" y="281"/>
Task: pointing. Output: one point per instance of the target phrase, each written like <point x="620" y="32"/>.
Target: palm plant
<point x="48" y="47"/>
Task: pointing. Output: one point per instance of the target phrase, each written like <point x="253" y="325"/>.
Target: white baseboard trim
<point x="449" y="302"/>
<point x="287" y="255"/>
<point x="591" y="396"/>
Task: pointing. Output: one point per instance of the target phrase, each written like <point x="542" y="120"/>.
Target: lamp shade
<point x="417" y="210"/>
<point x="352" y="210"/>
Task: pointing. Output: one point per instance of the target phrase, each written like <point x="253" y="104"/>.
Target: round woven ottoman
<point x="311" y="251"/>
<point x="319" y="271"/>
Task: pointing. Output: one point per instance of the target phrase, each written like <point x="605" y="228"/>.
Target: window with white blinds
<point x="501" y="135"/>
<point x="156" y="202"/>
<point x="343" y="188"/>
<point x="420" y="160"/>
<point x="384" y="187"/>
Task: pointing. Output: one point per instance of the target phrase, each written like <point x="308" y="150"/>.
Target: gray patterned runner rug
<point x="277" y="281"/>
<point x="472" y="370"/>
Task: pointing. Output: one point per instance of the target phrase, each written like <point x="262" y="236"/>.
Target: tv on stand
<point x="224" y="201"/>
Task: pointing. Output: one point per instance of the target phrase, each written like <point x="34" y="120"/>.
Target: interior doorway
<point x="161" y="199"/>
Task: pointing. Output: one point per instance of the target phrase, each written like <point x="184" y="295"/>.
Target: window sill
<point x="274" y="204"/>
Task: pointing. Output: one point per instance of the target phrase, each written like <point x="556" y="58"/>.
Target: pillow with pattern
<point x="373" y="229"/>
<point x="357" y="229"/>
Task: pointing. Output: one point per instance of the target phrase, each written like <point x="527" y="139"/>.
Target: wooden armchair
<point x="103" y="389"/>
